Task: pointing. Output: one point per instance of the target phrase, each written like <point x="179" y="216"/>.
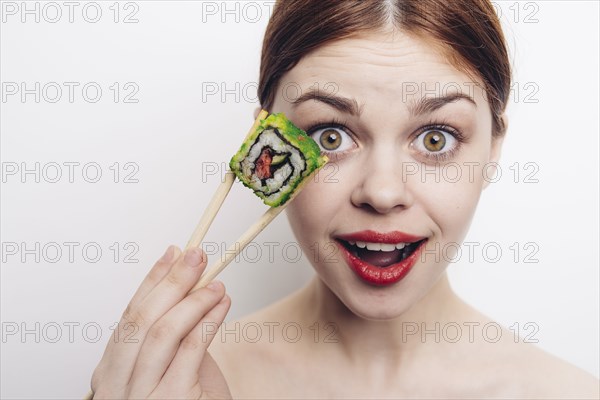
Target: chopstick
<point x="235" y="249"/>
<point x="219" y="197"/>
<point x="211" y="212"/>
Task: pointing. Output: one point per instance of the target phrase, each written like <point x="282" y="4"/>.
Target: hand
<point x="166" y="357"/>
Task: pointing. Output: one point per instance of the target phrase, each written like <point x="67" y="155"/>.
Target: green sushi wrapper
<point x="287" y="145"/>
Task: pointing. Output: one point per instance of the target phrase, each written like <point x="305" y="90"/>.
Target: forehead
<point x="385" y="64"/>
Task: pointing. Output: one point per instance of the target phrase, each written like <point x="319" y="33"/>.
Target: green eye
<point x="437" y="144"/>
<point x="330" y="139"/>
<point x="434" y="141"/>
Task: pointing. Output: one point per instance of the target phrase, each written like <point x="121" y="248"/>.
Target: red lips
<point x="378" y="237"/>
<point x="381" y="276"/>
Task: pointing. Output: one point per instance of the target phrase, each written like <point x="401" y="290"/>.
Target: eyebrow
<point x="424" y="105"/>
<point x="427" y="105"/>
<point x="343" y="104"/>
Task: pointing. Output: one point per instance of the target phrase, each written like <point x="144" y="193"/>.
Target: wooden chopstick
<point x="239" y="246"/>
<point x="219" y="197"/>
<point x="211" y="212"/>
<point x="247" y="237"/>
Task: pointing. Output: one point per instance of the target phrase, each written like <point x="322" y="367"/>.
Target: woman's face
<point x="408" y="137"/>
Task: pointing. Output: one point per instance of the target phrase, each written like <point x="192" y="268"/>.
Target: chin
<point x="381" y="303"/>
<point x="377" y="312"/>
<point x="375" y="303"/>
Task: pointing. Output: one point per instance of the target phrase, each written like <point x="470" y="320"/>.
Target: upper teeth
<point x="379" y="246"/>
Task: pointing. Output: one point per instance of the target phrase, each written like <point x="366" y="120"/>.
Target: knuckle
<point x="208" y="297"/>
<point x="161" y="331"/>
<point x="203" y="257"/>
<point x="226" y="300"/>
<point x="156" y="273"/>
<point x="133" y="316"/>
<point x="191" y="343"/>
<point x="173" y="279"/>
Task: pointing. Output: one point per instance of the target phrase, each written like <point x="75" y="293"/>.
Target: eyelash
<point x="431" y="125"/>
<point x="443" y="126"/>
<point x="335" y="123"/>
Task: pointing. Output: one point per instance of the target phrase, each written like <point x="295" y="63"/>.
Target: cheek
<point x="311" y="213"/>
<point x="451" y="201"/>
<point x="326" y="198"/>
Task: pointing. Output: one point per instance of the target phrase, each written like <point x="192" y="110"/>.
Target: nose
<point x="380" y="185"/>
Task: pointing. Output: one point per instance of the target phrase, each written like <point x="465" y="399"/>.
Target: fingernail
<point x="168" y="255"/>
<point x="193" y="257"/>
<point x="214" y="285"/>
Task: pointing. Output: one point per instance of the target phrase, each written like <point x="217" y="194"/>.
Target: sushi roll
<point x="275" y="158"/>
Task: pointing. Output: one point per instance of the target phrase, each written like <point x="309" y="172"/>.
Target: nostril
<point x="382" y="201"/>
<point x="381" y="195"/>
<point x="381" y="206"/>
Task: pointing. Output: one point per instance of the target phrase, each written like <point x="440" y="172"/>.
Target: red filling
<point x="263" y="164"/>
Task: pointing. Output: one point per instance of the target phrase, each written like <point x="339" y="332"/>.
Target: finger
<point x="125" y="331"/>
<point x="186" y="364"/>
<point x="156" y="274"/>
<point x="212" y="382"/>
<point x="165" y="295"/>
<point x="165" y="336"/>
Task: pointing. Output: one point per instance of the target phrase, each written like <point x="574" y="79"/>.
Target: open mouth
<point x="381" y="254"/>
<point x="381" y="258"/>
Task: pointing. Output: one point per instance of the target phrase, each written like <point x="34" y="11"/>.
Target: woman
<point x="390" y="90"/>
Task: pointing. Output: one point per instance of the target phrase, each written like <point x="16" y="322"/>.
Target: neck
<point x="374" y="341"/>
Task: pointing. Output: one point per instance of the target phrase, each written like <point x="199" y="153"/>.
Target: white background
<point x="175" y="130"/>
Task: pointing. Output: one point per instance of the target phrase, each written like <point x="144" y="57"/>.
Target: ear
<point x="496" y="149"/>
<point x="257" y="111"/>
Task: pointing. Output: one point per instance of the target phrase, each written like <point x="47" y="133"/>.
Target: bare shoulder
<point x="261" y="359"/>
<point x="517" y="369"/>
<point x="539" y="374"/>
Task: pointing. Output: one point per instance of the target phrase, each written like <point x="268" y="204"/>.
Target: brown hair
<point x="468" y="31"/>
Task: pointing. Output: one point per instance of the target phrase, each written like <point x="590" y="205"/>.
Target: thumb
<point x="212" y="381"/>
